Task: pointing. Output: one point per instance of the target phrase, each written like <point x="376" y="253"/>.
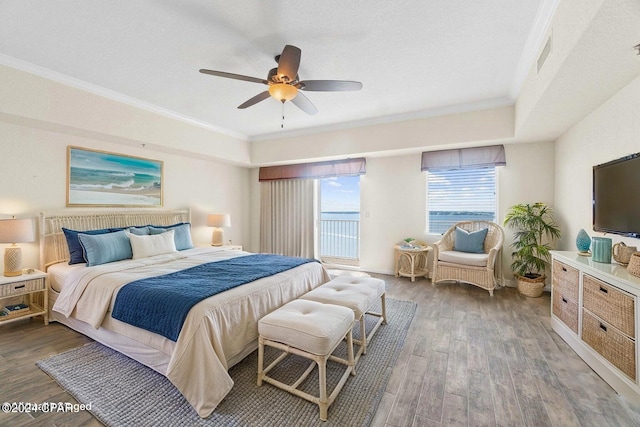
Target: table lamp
<point x="15" y="231"/>
<point x="217" y="221"/>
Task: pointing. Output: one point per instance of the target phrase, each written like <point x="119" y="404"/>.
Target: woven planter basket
<point x="634" y="264"/>
<point x="530" y="287"/>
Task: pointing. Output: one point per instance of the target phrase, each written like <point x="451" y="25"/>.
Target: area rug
<point x="122" y="392"/>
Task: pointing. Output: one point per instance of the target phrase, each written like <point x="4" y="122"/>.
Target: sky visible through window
<point x="340" y="194"/>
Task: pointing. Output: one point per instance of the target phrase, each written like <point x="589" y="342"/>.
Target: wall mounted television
<point x="616" y="196"/>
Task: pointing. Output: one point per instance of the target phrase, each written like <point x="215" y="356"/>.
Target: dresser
<point x="594" y="308"/>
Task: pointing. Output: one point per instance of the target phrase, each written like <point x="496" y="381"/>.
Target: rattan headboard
<point x="53" y="245"/>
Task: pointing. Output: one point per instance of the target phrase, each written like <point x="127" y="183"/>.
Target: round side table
<point x="411" y="261"/>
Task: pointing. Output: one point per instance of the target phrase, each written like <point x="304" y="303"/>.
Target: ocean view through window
<point x="460" y="195"/>
<point x="339" y="232"/>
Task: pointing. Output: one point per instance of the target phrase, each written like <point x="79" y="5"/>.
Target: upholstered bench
<point x="360" y="295"/>
<point x="312" y="330"/>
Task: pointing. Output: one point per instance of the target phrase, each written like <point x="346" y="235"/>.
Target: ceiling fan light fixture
<point x="283" y="92"/>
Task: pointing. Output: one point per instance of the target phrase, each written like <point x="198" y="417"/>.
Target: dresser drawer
<point x="610" y="343"/>
<point x="566" y="279"/>
<point x="565" y="309"/>
<point x="610" y="304"/>
<point x="18" y="288"/>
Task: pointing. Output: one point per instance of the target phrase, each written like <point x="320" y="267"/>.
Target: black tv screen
<point x="616" y="196"/>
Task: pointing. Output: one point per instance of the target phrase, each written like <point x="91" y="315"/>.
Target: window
<point x="460" y="195"/>
<point x="340" y="219"/>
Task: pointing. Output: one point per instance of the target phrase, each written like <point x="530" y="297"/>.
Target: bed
<point x="217" y="333"/>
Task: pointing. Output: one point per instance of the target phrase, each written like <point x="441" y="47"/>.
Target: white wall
<point x="403" y="137"/>
<point x="34" y="164"/>
<point x="35" y="101"/>
<point x="393" y="199"/>
<point x="609" y="132"/>
<point x="393" y="192"/>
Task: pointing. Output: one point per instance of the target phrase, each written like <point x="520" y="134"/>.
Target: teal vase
<point x="583" y="241"/>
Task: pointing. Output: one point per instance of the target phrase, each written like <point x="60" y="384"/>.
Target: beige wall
<point x="393" y="199"/>
<point x="609" y="132"/>
<point x="38" y="102"/>
<point x="393" y="193"/>
<point x="410" y="136"/>
<point x="39" y="118"/>
<point x="34" y="163"/>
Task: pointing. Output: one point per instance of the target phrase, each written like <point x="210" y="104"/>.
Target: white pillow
<point x="146" y="246"/>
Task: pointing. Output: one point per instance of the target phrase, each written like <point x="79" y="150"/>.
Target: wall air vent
<point x="546" y="50"/>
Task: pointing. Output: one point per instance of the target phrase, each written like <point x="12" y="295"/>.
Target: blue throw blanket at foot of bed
<point x="161" y="304"/>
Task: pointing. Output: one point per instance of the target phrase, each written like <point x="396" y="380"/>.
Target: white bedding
<point x="217" y="332"/>
<point x="58" y="274"/>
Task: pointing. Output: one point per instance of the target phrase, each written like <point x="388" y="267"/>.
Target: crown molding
<point x="112" y="95"/>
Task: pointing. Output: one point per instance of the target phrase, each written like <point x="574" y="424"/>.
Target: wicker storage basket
<point x="634" y="264"/>
<point x="530" y="287"/>
<point x="565" y="279"/>
<point x="566" y="310"/>
<point x="610" y="343"/>
<point x="610" y="304"/>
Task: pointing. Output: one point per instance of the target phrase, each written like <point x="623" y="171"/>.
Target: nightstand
<point x="30" y="289"/>
<point x="231" y="247"/>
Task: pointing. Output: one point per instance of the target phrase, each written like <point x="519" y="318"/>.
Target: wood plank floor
<point x="468" y="359"/>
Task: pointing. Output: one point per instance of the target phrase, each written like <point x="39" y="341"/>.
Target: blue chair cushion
<point x="472" y="242"/>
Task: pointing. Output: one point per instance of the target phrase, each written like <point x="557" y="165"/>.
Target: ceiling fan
<point x="284" y="82"/>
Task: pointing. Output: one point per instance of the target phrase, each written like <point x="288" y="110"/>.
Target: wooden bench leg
<point x="323" y="402"/>
<point x="260" y="360"/>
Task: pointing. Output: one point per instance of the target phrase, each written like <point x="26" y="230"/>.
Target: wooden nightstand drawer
<point x="565" y="309"/>
<point x="614" y="346"/>
<point x="566" y="279"/>
<point x="19" y="288"/>
<point x="610" y="304"/>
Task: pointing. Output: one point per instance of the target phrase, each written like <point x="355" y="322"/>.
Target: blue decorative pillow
<point x="138" y="230"/>
<point x="182" y="235"/>
<point x="472" y="242"/>
<point x="103" y="248"/>
<point x="75" y="248"/>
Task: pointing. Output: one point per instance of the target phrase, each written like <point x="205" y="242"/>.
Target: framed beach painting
<point x="100" y="178"/>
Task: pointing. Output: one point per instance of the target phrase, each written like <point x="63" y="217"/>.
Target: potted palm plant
<point x="535" y="231"/>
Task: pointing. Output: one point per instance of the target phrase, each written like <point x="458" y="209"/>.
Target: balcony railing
<point x="340" y="241"/>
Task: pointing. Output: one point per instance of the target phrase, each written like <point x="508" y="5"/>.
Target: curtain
<point x="464" y="158"/>
<point x="286" y="217"/>
<point x="314" y="170"/>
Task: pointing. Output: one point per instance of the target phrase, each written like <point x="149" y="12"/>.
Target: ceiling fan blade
<point x="303" y="103"/>
<point x="289" y="62"/>
<point x="259" y="97"/>
<point x="234" y="76"/>
<point x="330" y="85"/>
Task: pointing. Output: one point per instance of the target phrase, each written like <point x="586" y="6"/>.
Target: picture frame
<point x="102" y="178"/>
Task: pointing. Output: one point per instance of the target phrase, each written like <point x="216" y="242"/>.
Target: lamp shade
<point x="16" y="231"/>
<point x="219" y="220"/>
<point x="283" y="92"/>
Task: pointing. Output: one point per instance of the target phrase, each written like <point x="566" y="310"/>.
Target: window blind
<point x="455" y="195"/>
<point x="314" y="170"/>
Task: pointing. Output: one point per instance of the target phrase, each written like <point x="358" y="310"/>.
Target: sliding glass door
<point x="339" y="220"/>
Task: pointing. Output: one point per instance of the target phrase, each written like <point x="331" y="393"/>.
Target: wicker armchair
<point x="476" y="269"/>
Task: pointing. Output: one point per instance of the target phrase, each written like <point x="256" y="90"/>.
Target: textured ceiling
<point x="413" y="57"/>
